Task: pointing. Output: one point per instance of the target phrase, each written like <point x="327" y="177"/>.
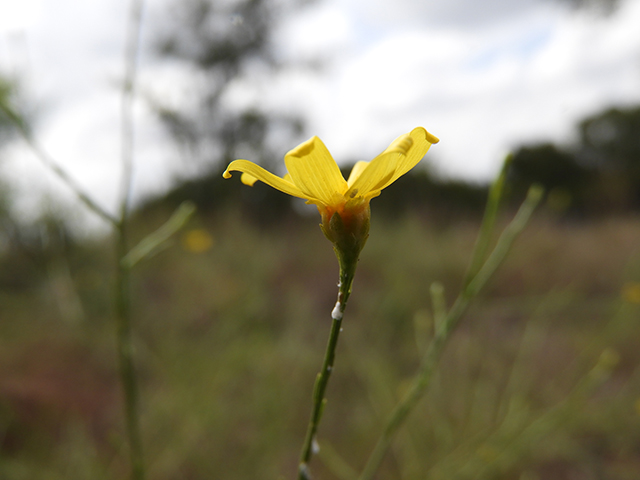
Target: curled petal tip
<point x="432" y="138"/>
<point x="226" y="174"/>
<point x="248" y="179"/>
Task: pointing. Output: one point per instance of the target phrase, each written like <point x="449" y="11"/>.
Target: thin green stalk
<point x="127" y="369"/>
<point x="335" y="463"/>
<point x="158" y="240"/>
<point x="509" y="446"/>
<point x="54" y="166"/>
<point x="122" y="295"/>
<point x="439" y="305"/>
<point x="347" y="271"/>
<point x="488" y="221"/>
<point x="123" y="287"/>
<point x="435" y="348"/>
<point x="126" y="105"/>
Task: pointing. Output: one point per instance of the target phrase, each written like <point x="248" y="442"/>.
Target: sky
<point x="485" y="77"/>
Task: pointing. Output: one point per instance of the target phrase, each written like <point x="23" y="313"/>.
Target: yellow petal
<point x="356" y="171"/>
<point x="248" y="179"/>
<point x="377" y="173"/>
<point x="422" y="141"/>
<point x="252" y="173"/>
<point x="402" y="155"/>
<point x="315" y="172"/>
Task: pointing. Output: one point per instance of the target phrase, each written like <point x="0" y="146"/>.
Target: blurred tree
<point x="443" y="200"/>
<point x="7" y="131"/>
<point x="261" y="204"/>
<point x="222" y="45"/>
<point x="610" y="142"/>
<point x="602" y="6"/>
<point x="16" y="267"/>
<point x="7" y="91"/>
<point x="611" y="139"/>
<point x="600" y="174"/>
<point x="567" y="182"/>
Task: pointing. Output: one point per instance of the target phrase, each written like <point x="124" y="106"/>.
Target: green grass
<point x="229" y="342"/>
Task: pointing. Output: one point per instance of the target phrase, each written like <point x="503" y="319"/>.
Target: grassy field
<point x="540" y="382"/>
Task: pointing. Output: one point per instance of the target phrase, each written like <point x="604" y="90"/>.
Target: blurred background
<point x="231" y="321"/>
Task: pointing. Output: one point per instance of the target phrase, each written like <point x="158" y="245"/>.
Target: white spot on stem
<point x="337" y="311"/>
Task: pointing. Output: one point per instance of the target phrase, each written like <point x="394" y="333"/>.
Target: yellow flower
<point x="314" y="175"/>
<point x="197" y="240"/>
<point x="631" y="292"/>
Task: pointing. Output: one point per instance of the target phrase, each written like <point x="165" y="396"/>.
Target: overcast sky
<point x="483" y="76"/>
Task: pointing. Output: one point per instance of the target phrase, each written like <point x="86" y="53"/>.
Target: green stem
<point x="61" y="173"/>
<point x="156" y="241"/>
<point x="347" y="271"/>
<point x="122" y="295"/>
<point x="488" y="221"/>
<point x="123" y="288"/>
<point x="127" y="369"/>
<point x="126" y="102"/>
<point x="23" y="130"/>
<point x="435" y="348"/>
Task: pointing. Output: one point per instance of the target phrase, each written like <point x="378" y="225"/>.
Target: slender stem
<point x="123" y="284"/>
<point x="435" y="348"/>
<point x="536" y="429"/>
<point x="54" y="166"/>
<point x="347" y="270"/>
<point x="126" y="106"/>
<point x="128" y="376"/>
<point x="156" y="241"/>
<point x="122" y="295"/>
<point x="488" y="221"/>
<point x="439" y="305"/>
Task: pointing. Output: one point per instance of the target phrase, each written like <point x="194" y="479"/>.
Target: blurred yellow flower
<point x="609" y="359"/>
<point x="631" y="292"/>
<point x="314" y="175"/>
<point x="487" y="453"/>
<point x="197" y="240"/>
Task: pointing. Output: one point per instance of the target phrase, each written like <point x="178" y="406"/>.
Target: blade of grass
<point x="154" y="242"/>
<point x="54" y="166"/>
<point x="124" y="339"/>
<point x="334" y="462"/>
<point x="488" y="222"/>
<point x="434" y="351"/>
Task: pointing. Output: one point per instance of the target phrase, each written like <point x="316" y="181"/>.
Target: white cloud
<point x="319" y="30"/>
<point x="483" y="76"/>
<point x="16" y="16"/>
<point x="483" y="91"/>
<point x="377" y="18"/>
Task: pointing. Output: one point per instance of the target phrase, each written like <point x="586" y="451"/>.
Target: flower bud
<point x="348" y="229"/>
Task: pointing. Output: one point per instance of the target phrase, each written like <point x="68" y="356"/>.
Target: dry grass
<point x="229" y="341"/>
